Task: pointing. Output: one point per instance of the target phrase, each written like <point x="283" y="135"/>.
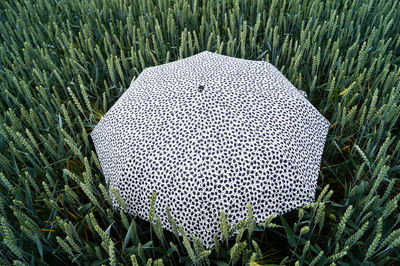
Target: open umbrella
<point x="208" y="133"/>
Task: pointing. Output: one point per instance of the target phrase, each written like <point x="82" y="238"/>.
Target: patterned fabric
<point x="207" y="133"/>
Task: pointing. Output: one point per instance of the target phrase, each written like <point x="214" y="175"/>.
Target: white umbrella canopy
<point x="207" y="133"/>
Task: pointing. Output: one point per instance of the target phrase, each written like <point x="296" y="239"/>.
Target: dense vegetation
<point x="65" y="62"/>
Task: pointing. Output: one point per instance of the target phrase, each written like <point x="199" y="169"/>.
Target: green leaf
<point x="394" y="169"/>
<point x="107" y="232"/>
<point x="99" y="262"/>
<point x="220" y="263"/>
<point x="127" y="237"/>
<point x="289" y="232"/>
<point x="39" y="245"/>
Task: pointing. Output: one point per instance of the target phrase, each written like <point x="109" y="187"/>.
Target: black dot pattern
<point x="207" y="133"/>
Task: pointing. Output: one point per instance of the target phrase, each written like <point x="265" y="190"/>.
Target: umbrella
<point x="207" y="133"/>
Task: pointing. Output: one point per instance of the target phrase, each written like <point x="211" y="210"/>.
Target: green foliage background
<point x="64" y="64"/>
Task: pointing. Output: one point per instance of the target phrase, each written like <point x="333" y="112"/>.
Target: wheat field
<point x="63" y="63"/>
